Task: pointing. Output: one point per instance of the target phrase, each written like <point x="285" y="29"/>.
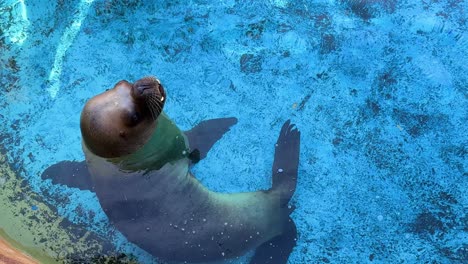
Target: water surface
<point x="377" y="88"/>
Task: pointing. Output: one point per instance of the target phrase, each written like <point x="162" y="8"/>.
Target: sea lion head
<point x="122" y="119"/>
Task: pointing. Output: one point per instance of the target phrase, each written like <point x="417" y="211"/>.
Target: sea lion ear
<point x="73" y="174"/>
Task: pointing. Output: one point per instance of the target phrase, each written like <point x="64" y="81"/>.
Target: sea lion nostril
<point x="141" y="88"/>
<point x="144" y="84"/>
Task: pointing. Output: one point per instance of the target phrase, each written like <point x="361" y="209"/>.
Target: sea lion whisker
<point x="158" y="97"/>
<point x="154" y="106"/>
<point x="158" y="107"/>
<point x="153" y="115"/>
<point x="152" y="109"/>
<point x="152" y="103"/>
<point x="156" y="102"/>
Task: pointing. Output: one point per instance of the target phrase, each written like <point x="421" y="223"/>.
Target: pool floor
<point x="377" y="88"/>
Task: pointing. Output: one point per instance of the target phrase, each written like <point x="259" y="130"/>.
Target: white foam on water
<point x="18" y="31"/>
<point x="65" y="42"/>
<point x="279" y="3"/>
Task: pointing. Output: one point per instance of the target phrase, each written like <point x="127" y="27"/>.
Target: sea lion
<point x="138" y="162"/>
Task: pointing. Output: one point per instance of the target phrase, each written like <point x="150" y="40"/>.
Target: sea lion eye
<point x="135" y="118"/>
<point x="132" y="119"/>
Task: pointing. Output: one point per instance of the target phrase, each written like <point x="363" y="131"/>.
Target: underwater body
<point x="377" y="88"/>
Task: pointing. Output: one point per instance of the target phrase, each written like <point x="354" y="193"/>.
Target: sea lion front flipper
<point x="203" y="136"/>
<point x="70" y="173"/>
<point x="278" y="249"/>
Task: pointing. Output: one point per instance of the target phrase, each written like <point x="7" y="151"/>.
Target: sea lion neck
<point x="166" y="145"/>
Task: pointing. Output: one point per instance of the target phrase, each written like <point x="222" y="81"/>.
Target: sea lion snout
<point x="148" y="87"/>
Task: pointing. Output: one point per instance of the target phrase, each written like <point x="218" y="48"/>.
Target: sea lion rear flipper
<point x="70" y="173"/>
<point x="286" y="163"/>
<point x="203" y="136"/>
<point x="285" y="168"/>
<point x="278" y="249"/>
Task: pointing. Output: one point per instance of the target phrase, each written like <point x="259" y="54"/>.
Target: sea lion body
<point x="170" y="214"/>
<point x="137" y="162"/>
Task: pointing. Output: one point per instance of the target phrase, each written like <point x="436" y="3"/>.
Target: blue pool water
<point x="378" y="89"/>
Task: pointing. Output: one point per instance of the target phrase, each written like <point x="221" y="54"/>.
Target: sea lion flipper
<point x="203" y="136"/>
<point x="278" y="249"/>
<point x="70" y="173"/>
<point x="286" y="163"/>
